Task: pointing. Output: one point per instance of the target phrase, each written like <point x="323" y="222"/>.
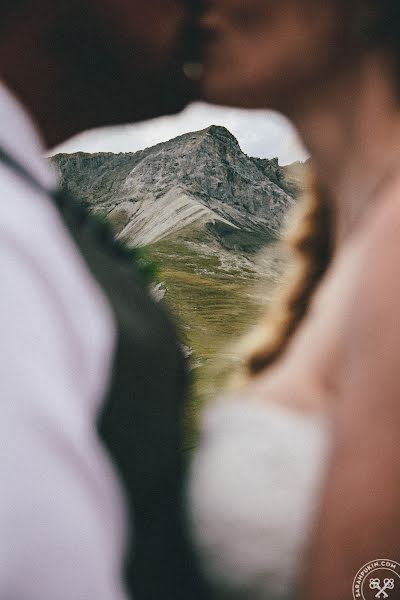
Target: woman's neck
<point x="352" y="131"/>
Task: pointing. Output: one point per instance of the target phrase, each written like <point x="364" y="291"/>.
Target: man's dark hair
<point x="11" y="9"/>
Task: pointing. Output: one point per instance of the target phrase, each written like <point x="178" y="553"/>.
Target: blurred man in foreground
<point x="91" y="376"/>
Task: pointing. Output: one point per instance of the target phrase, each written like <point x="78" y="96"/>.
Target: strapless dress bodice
<point x="254" y="493"/>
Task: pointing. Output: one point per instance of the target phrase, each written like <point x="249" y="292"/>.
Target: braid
<point x="311" y="244"/>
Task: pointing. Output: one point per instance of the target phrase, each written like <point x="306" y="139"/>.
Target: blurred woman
<point x="296" y="483"/>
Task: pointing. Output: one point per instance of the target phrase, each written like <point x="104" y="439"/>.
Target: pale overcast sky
<point x="260" y="133"/>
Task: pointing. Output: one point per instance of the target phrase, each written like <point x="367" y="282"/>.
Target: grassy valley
<point x="215" y="297"/>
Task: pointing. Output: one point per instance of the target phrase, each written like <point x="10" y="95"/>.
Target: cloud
<point x="260" y="133"/>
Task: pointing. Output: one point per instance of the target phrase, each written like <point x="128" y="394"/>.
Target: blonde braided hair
<point x="310" y="241"/>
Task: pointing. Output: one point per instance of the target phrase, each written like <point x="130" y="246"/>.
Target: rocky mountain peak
<point x="200" y="179"/>
<point x="221" y="134"/>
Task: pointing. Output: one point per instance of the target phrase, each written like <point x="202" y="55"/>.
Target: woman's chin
<point x="217" y="89"/>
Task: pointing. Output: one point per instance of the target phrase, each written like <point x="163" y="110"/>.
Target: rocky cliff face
<point x="201" y="181"/>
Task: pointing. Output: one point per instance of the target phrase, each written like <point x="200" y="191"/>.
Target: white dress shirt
<point x="62" y="513"/>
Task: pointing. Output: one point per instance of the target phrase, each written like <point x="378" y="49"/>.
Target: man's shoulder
<point x="44" y="268"/>
<point x="24" y="209"/>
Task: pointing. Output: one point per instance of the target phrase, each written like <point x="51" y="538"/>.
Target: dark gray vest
<point x="141" y="422"/>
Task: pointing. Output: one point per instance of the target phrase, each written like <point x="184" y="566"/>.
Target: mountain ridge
<point x="200" y="179"/>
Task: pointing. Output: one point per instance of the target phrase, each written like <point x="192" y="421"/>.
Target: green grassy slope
<point x="215" y="298"/>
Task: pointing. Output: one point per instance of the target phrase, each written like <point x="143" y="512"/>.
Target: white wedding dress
<point x="254" y="492"/>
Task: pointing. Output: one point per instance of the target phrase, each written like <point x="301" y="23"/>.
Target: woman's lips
<point x="202" y="36"/>
<point x="193" y="39"/>
<point x="192" y="62"/>
<point x="199" y="42"/>
<point x="212" y="38"/>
